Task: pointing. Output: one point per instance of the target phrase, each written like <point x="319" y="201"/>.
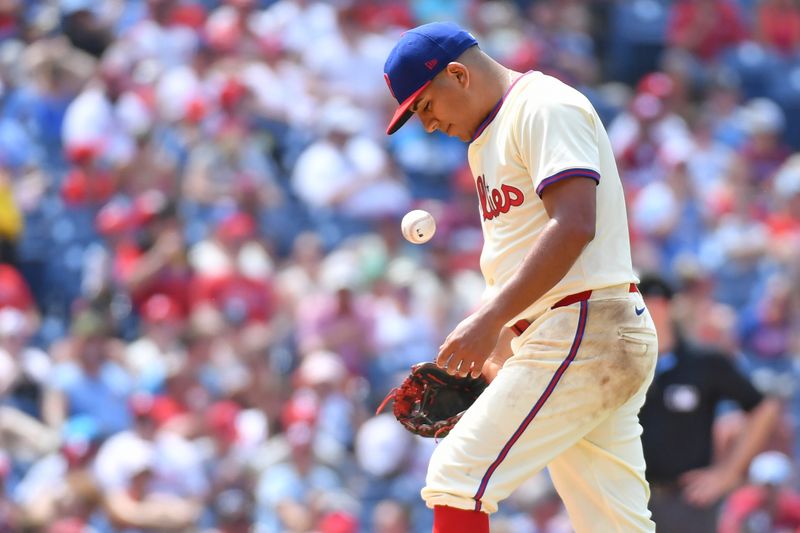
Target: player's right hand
<point x="469" y="345"/>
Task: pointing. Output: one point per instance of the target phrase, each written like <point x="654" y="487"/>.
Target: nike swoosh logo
<point x="639" y="311"/>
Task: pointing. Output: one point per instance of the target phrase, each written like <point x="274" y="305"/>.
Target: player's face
<point x="445" y="105"/>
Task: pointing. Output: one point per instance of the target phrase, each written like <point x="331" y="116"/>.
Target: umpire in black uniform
<point x="687" y="484"/>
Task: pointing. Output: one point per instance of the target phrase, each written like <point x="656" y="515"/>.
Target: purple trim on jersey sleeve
<point x="573" y="351"/>
<point x="568" y="173"/>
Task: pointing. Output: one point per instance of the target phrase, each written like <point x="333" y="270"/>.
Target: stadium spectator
<point x="764" y="151"/>
<point x="346" y="175"/>
<point x="765" y="329"/>
<point x="157" y="263"/>
<point x="778" y="25"/>
<point x="339" y="320"/>
<point x="24" y="368"/>
<point x="153" y="356"/>
<point x="232" y="272"/>
<point x="14" y="291"/>
<point x="705" y="27"/>
<point x="92" y="382"/>
<point x="150" y="477"/>
<point x="767" y="503"/>
<point x="390" y="517"/>
<point x="59" y="485"/>
<point x="290" y="493"/>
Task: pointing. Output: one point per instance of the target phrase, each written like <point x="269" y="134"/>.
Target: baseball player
<point x="562" y="333"/>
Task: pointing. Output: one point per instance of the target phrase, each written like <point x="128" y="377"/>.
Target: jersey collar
<point x="493" y="113"/>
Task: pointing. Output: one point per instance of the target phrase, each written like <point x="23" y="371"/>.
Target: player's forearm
<point x="553" y="254"/>
<point x="760" y="424"/>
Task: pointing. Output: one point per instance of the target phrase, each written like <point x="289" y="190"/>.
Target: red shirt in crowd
<point x="14" y="292"/>
<point x="247" y="299"/>
<point x="172" y="281"/>
<point x="747" y="501"/>
<point x="779" y="26"/>
<point x="705" y="27"/>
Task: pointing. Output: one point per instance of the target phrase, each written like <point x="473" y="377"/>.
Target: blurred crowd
<point x="204" y="293"/>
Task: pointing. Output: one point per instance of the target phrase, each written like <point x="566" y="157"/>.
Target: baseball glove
<point x="430" y="401"/>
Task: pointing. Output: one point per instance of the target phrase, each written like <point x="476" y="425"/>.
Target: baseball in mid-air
<point x="418" y="226"/>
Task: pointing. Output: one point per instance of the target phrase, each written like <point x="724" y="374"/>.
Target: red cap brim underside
<point x="402" y="114"/>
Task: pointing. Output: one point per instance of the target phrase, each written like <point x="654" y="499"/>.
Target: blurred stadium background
<point x="204" y="293"/>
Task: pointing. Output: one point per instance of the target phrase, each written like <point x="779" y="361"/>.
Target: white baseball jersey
<point x="568" y="397"/>
<point x="543" y="131"/>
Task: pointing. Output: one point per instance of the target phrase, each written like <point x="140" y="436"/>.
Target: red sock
<point x="452" y="520"/>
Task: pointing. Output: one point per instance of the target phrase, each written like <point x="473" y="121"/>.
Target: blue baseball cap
<point x="419" y="55"/>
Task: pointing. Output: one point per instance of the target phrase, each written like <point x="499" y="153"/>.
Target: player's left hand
<point x="705" y="486"/>
<point x="469" y="345"/>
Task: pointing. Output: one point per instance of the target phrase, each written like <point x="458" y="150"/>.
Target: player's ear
<point x="459" y="73"/>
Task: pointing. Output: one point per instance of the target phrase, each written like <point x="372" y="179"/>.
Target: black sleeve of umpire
<point x="730" y="383"/>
